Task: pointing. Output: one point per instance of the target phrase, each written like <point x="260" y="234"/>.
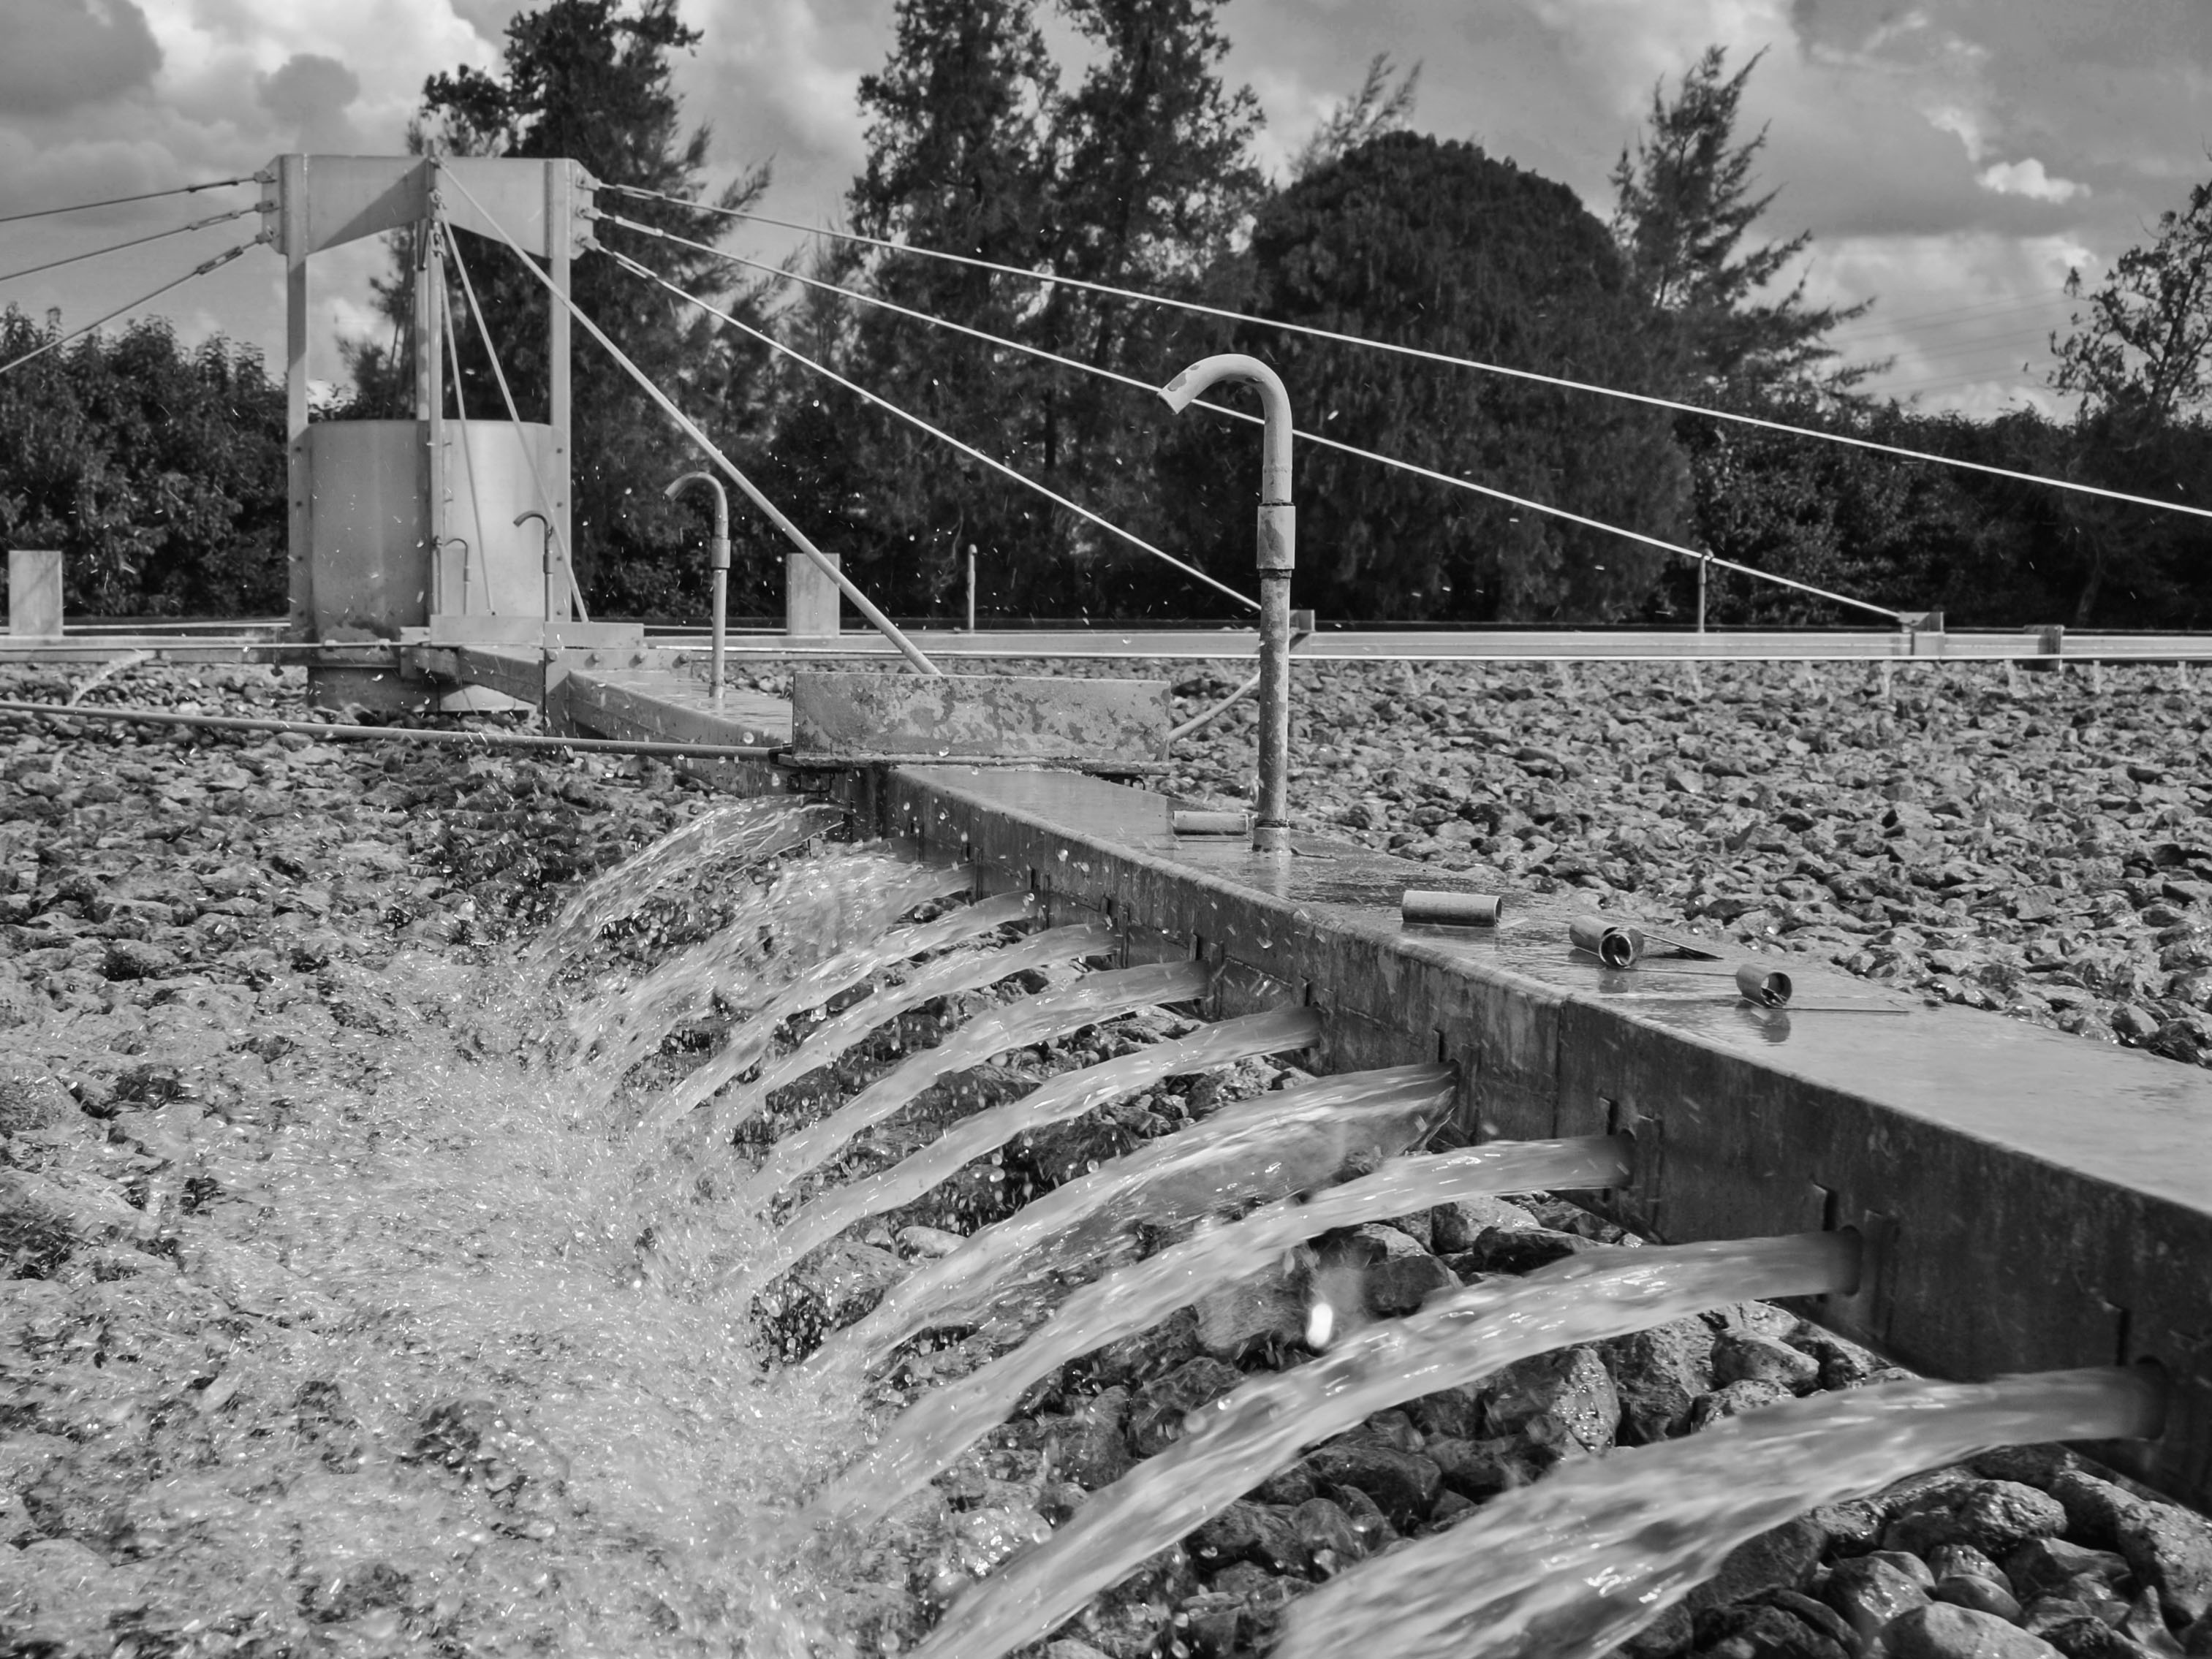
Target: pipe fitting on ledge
<point x="1277" y="557"/>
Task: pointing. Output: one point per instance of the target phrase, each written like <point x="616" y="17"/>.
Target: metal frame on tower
<point x="325" y="201"/>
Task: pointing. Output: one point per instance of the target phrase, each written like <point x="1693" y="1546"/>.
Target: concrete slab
<point x="1039" y="717"/>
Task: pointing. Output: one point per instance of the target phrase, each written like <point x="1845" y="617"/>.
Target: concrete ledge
<point x="1043" y="717"/>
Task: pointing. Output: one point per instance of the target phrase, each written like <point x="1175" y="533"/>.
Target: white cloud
<point x="2028" y="178"/>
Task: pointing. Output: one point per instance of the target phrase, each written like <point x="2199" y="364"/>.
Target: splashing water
<point x="938" y="1428"/>
<point x="1570" y="1567"/>
<point x="747" y="833"/>
<point x="969" y="972"/>
<point x="1068" y="1095"/>
<point x="748" y="1040"/>
<point x="1033" y="1019"/>
<point x="1232" y="1445"/>
<point x="781" y="927"/>
<point x="1248" y="1153"/>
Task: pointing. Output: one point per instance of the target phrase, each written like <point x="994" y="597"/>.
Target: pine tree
<point x="1685" y="202"/>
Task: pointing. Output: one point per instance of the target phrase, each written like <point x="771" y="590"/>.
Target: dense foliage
<point x="158" y="470"/>
<point x="1437" y="246"/>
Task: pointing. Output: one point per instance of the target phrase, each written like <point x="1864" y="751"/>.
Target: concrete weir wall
<point x="2032" y="1201"/>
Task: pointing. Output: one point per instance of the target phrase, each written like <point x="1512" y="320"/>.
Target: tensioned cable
<point x="200" y="270"/>
<point x="468" y="460"/>
<point x="1117" y="376"/>
<point x="690" y="429"/>
<point x="118" y="201"/>
<point x="1649" y="400"/>
<point x="529" y="455"/>
<point x="915" y="420"/>
<point x="135" y="242"/>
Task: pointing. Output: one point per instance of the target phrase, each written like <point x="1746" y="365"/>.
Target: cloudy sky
<point x="1953" y="159"/>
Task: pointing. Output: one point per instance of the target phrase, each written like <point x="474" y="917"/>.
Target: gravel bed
<point x="203" y="933"/>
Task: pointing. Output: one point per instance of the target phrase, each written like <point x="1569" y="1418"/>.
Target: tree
<point x="1684" y="203"/>
<point x="1139" y="176"/>
<point x="589" y="80"/>
<point x="157" y="470"/>
<point x="1433" y="244"/>
<point x="1376" y="108"/>
<point x="2140" y="363"/>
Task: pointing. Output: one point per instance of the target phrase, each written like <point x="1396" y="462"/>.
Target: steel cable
<point x="135" y="242"/>
<point x="1648" y="399"/>
<point x="915" y="420"/>
<point x="200" y="270"/>
<point x="691" y="429"/>
<point x="1117" y="376"/>
<point x="118" y="201"/>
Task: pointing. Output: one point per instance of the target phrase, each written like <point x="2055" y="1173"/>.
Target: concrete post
<point x="34" y="593"/>
<point x="810" y="598"/>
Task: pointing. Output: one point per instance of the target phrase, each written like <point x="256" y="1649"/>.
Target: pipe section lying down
<point x="394" y="733"/>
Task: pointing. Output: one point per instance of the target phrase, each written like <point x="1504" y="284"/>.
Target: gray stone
<point x="1331" y="1541"/>
<point x="1519" y="1251"/>
<point x="2086" y="1635"/>
<point x="1982" y="1595"/>
<point x="1480" y="1469"/>
<point x="1951" y="1560"/>
<point x="1658" y="1376"/>
<point x="1764" y="1631"/>
<point x="1403" y="1484"/>
<point x="1157" y="1413"/>
<point x="1562" y="1398"/>
<point x="2042" y="1566"/>
<point x="1733" y="1400"/>
<point x="1209" y="1623"/>
<point x="1993" y="1515"/>
<point x="1781" y="1559"/>
<point x="1943" y="1631"/>
<point x="1400" y="1285"/>
<point x="1752" y="1357"/>
<point x="1457" y="1225"/>
<point x="1869" y="1593"/>
<point x="1455" y="1412"/>
<point x="1245" y="1531"/>
<point x="2170" y="1551"/>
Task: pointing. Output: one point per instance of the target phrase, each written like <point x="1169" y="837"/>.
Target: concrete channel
<point x="2029" y="1200"/>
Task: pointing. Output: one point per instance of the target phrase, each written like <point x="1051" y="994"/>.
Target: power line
<point x="690" y="429"/>
<point x="1647" y="399"/>
<point x="135" y="242"/>
<point x="200" y="270"/>
<point x="967" y="449"/>
<point x="118" y="201"/>
<point x="1115" y="375"/>
<point x="1986" y="307"/>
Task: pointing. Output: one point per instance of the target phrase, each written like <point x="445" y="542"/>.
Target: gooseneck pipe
<point x="718" y="561"/>
<point x="1278" y="555"/>
<point x="545" y="540"/>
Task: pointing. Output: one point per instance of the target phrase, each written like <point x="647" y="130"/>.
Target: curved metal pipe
<point x="545" y="541"/>
<point x="718" y="563"/>
<point x="1278" y="555"/>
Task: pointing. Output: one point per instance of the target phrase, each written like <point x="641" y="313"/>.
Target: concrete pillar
<point x="810" y="598"/>
<point x="34" y="593"/>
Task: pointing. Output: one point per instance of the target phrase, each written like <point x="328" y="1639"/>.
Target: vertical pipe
<point x="1278" y="555"/>
<point x="560" y="226"/>
<point x="292" y="210"/>
<point x="718" y="564"/>
<point x="1704" y="563"/>
<point x="430" y="387"/>
<point x="971" y="587"/>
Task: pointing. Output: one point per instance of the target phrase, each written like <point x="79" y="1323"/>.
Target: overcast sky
<point x="1953" y="159"/>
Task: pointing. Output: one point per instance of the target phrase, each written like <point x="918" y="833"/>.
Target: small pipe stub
<point x="1418" y="907"/>
<point x="1193" y="822"/>
<point x="1614" y="944"/>
<point x="1769" y="987"/>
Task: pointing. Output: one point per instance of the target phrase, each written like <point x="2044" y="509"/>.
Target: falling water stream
<point x="938" y="1428"/>
<point x="1070" y="1095"/>
<point x="1231" y="1446"/>
<point x="1582" y="1560"/>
